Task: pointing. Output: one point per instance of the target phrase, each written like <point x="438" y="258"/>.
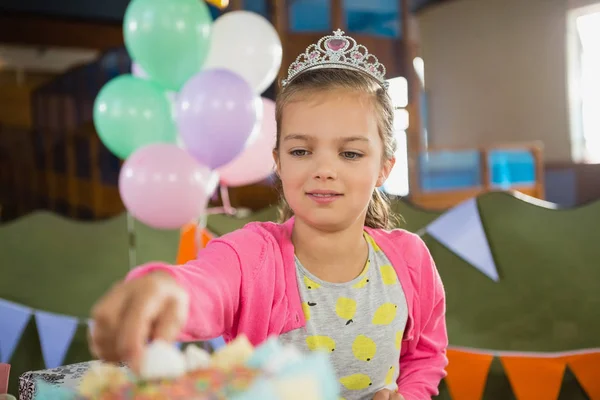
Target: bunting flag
<point x="461" y="231"/>
<point x="56" y="333"/>
<point x="191" y="241"/>
<point x="13" y="320"/>
<point x="467" y="374"/>
<point x="534" y="378"/>
<point x="188" y="248"/>
<point x="586" y="368"/>
<point x="217" y="343"/>
<point x="205" y="237"/>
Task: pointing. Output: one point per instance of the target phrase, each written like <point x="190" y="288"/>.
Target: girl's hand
<point x="132" y="313"/>
<point x="386" y="394"/>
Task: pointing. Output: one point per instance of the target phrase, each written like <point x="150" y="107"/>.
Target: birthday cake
<point x="237" y="371"/>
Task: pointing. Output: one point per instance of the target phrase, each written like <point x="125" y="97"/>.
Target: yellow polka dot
<point x="372" y="242"/>
<point x="306" y="309"/>
<point x="389" y="377"/>
<point x="385" y="314"/>
<point x="345" y="308"/>
<point x="320" y="343"/>
<point x="388" y="274"/>
<point x="365" y="279"/>
<point x="310" y="284"/>
<point x="399" y="336"/>
<point x="356" y="382"/>
<point x="362" y="283"/>
<point x="364" y="348"/>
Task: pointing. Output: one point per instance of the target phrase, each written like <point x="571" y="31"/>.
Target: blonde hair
<point x="379" y="213"/>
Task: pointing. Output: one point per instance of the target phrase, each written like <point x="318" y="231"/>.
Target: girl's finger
<point x="141" y="314"/>
<point x="168" y="323"/>
<point x="104" y="348"/>
<point x="105" y="316"/>
<point x="383" y="394"/>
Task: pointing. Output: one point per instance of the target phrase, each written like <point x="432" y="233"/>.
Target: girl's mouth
<point x="324" y="197"/>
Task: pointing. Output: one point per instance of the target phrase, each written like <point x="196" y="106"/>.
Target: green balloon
<point x="130" y="113"/>
<point x="169" y="39"/>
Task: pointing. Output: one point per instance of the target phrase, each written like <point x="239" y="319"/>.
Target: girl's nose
<point x="325" y="170"/>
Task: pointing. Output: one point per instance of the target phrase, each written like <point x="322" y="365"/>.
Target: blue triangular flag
<point x="217" y="343"/>
<point x="461" y="231"/>
<point x="13" y="320"/>
<point x="90" y="324"/>
<point x="56" y="333"/>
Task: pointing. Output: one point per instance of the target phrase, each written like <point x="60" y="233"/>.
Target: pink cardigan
<point x="245" y="282"/>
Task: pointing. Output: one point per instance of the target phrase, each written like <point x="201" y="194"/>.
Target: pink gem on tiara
<point x="357" y="56"/>
<point x="337" y="51"/>
<point x="336" y="44"/>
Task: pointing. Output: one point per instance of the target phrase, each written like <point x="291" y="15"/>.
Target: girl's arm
<point x="422" y="366"/>
<point x="213" y="283"/>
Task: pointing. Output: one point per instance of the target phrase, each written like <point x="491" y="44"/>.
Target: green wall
<point x="546" y="299"/>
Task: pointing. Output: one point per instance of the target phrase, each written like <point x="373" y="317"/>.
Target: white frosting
<point x="162" y="360"/>
<point x="235" y="353"/>
<point x="196" y="358"/>
<point x="297" y="388"/>
<point x="288" y="355"/>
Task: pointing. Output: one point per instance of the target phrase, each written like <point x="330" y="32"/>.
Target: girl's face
<point x="330" y="158"/>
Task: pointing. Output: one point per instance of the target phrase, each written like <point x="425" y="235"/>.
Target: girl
<point x="331" y="276"/>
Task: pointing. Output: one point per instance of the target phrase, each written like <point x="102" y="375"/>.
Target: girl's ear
<point x="385" y="171"/>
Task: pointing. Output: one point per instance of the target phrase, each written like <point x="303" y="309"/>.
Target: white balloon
<point x="247" y="44"/>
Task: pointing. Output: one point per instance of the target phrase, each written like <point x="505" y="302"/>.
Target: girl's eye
<point x="298" y="153"/>
<point x="350" y="155"/>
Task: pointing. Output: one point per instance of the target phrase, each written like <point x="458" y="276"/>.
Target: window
<point x="374" y="17"/>
<point x="584" y="82"/>
<point x="257" y="6"/>
<point x="310" y="15"/>
<point x="588" y="27"/>
<point x="397" y="182"/>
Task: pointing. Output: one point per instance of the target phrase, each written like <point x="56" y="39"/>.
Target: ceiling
<point x="48" y="59"/>
<point x="56" y="60"/>
<point x="113" y="10"/>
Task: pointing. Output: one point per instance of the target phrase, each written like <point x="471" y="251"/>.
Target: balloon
<point x="256" y="162"/>
<point x="216" y="113"/>
<point x="247" y="44"/>
<point x="138" y="71"/>
<point x="131" y="112"/>
<point x="169" y="39"/>
<point x="164" y="187"/>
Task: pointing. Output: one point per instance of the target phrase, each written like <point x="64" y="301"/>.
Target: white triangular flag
<point x="461" y="231"/>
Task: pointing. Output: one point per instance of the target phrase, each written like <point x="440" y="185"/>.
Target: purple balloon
<point x="216" y="113"/>
<point x="138" y="71"/>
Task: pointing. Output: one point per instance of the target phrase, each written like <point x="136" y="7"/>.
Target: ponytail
<point x="379" y="212"/>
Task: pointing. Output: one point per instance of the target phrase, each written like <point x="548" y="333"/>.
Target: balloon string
<point x="226" y="208"/>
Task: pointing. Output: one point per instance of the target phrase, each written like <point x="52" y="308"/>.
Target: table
<point x="68" y="376"/>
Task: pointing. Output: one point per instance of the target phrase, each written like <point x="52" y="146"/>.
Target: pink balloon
<point x="255" y="163"/>
<point x="164" y="187"/>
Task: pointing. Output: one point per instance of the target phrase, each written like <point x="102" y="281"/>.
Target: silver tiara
<point x="337" y="51"/>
